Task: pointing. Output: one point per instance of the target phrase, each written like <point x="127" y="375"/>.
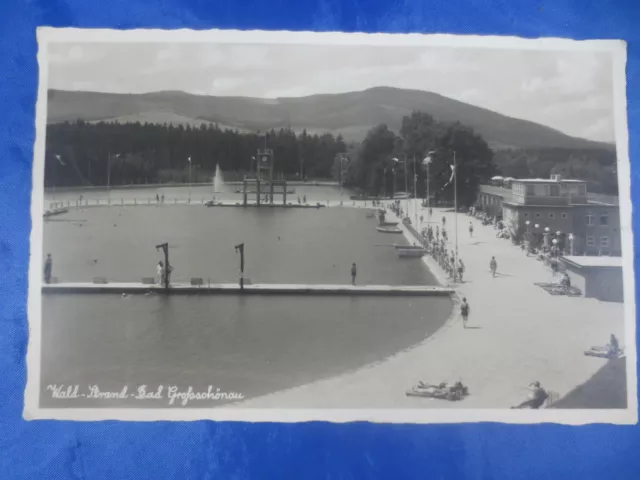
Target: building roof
<point x="536" y="205"/>
<point x="493" y="190"/>
<point x="586" y="262"/>
<point x="547" y="180"/>
<point x="593" y="199"/>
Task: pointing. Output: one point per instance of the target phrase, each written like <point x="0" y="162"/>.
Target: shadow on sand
<point x="606" y="389"/>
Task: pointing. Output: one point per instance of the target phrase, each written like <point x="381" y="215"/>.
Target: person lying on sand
<point x="536" y="399"/>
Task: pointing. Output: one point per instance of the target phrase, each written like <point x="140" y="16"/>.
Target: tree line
<point x="87" y="154"/>
<point x="597" y="166"/>
<point x="386" y="163"/>
<point x="96" y="154"/>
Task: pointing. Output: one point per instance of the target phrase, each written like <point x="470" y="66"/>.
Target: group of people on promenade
<point x="434" y="240"/>
<point x="396" y="208"/>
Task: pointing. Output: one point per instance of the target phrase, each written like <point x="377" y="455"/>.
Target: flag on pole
<point x="60" y="160"/>
<point x="427" y="160"/>
<point x="453" y="174"/>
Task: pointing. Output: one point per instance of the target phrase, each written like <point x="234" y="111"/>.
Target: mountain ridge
<point x="351" y="114"/>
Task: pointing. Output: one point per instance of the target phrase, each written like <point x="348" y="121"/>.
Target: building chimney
<point x="556" y="178"/>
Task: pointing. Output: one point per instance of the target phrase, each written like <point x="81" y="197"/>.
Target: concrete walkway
<point x="257" y="289"/>
<point x="517" y="333"/>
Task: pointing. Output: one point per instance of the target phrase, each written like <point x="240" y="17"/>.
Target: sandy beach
<point x="517" y="333"/>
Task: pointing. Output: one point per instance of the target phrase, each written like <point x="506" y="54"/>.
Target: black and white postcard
<point x="282" y="226"/>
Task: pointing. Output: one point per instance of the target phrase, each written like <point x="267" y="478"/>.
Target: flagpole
<point x="455" y="207"/>
<point x="55" y="170"/>
<point x="428" y="189"/>
<point x="108" y="177"/>
<point x="406" y="185"/>
<point x="189" y="179"/>
<point x="415" y="191"/>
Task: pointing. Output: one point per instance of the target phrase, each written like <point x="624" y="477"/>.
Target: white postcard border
<point x="48" y="35"/>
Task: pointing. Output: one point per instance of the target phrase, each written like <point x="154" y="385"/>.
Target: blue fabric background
<point x="207" y="450"/>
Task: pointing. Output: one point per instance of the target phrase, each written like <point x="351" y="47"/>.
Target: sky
<point x="571" y="91"/>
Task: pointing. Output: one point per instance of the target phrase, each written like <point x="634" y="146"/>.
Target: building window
<point x="530" y="191"/>
<point x="589" y="219"/>
<point x="604" y="241"/>
<point x="554" y="190"/>
<point x="591" y="242"/>
<point x="526" y="214"/>
<point x="563" y="215"/>
<point x="537" y="214"/>
<point x="552" y="215"/>
<point x="604" y="219"/>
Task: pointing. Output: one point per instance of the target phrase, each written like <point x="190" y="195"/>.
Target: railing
<point x="541" y="200"/>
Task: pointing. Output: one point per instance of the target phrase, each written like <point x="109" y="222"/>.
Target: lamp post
<point x="406" y="184"/>
<point x="189" y="159"/>
<point x="546" y="236"/>
<point x="109" y="175"/>
<point x="455" y="202"/>
<point x="384" y="183"/>
<point x="415" y="193"/>
<point x="571" y="238"/>
<point x="393" y="184"/>
<point x="54" y="175"/>
<point x="536" y="226"/>
<point x="342" y="159"/>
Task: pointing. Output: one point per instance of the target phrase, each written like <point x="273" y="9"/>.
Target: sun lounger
<point x="555" y="289"/>
<point x="441" y="392"/>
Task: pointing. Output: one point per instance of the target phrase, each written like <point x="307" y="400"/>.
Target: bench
<point x="100" y="280"/>
<point x="148" y="281"/>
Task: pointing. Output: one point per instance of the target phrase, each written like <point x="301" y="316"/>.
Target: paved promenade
<point x="517" y="333"/>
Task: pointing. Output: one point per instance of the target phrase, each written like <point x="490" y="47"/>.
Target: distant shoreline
<point x="310" y="183"/>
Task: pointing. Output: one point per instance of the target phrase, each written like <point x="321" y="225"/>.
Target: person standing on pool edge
<point x="353" y="273"/>
<point x="48" y="268"/>
<point x="464" y="312"/>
